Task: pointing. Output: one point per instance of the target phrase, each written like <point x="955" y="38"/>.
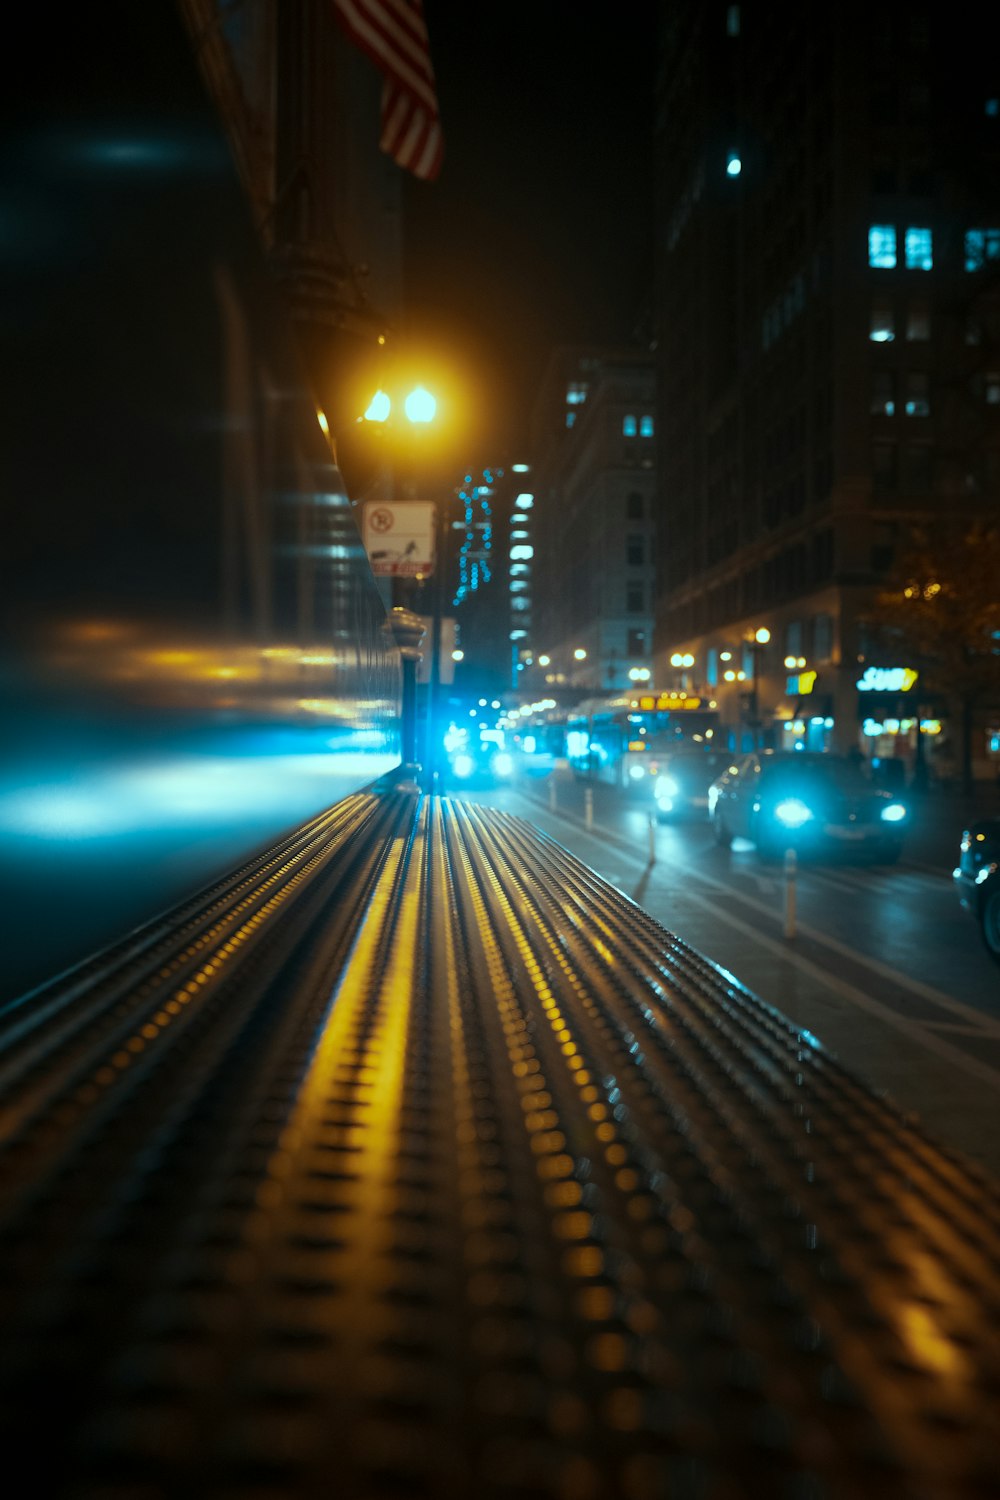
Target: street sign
<point x="399" y="537"/>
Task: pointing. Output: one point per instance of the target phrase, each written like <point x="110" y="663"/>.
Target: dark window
<point x="918" y="399"/>
<point x="635" y="551"/>
<point x="884" y="466"/>
<point x="883" y="402"/>
<point x="918" y="320"/>
<point x="634" y="598"/>
<point x="633" y="506"/>
<point x="636" y="643"/>
<point x="917" y="467"/>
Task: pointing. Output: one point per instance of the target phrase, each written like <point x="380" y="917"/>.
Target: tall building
<point x="828" y="343"/>
<point x="593" y="433"/>
<point x="301" y="107"/>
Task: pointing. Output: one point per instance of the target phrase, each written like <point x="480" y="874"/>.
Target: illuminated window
<point x="883" y="402"/>
<point x="524" y="502"/>
<point x="882" y="247"/>
<point x="918" y="403"/>
<point x="919" y="251"/>
<point x="576" y="393"/>
<point x="521" y="551"/>
<point x="991" y="387"/>
<point x="882" y="329"/>
<point x="981" y="245"/>
<point x="628" y="426"/>
<point x="646" y="426"/>
<point x="918" y="321"/>
<point x="732" y="20"/>
<point x="822" y="634"/>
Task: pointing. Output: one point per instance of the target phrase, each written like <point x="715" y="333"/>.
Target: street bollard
<point x="790" y="870"/>
<point x="652" y="839"/>
<point x="588" y="806"/>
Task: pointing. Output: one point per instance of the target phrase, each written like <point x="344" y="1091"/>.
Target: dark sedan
<point x="977" y="879"/>
<point x="810" y="802"/>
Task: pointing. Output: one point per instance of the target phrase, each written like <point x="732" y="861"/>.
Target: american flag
<point x="393" y="34"/>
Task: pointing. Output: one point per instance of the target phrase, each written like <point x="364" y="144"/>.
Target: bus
<point x="621" y="740"/>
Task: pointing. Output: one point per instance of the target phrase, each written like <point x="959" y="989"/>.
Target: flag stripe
<point x="393" y="35"/>
<point x="395" y="38"/>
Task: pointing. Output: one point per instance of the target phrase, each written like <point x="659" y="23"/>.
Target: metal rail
<point x="417" y="1160"/>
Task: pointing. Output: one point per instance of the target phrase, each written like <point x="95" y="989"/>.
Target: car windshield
<point x="703" y="765"/>
<point x="834" y="772"/>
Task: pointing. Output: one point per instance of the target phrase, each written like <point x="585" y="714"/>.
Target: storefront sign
<point x="666" y="700"/>
<point x="800" y="684"/>
<point x="886" y="680"/>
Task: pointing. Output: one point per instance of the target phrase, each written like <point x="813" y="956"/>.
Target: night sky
<point x="537" y="231"/>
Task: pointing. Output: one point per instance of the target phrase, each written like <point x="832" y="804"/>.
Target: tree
<point x="943" y="609"/>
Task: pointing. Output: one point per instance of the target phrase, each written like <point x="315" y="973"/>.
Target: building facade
<point x="828" y="247"/>
<point x="593" y="432"/>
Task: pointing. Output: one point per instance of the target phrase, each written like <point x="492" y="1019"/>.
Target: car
<point x="476" y="759"/>
<point x="977" y="879"/>
<point x="811" y="801"/>
<point x="683" y="778"/>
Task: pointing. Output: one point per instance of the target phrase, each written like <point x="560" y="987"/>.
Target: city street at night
<point x="884" y="967"/>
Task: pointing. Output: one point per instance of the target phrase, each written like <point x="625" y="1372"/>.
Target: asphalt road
<point x="880" y="963"/>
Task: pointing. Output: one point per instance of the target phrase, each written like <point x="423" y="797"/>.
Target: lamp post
<point x="408" y="631"/>
<point x="758" y="641"/>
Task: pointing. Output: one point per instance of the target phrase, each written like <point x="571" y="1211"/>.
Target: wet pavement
<point x="935" y="1057"/>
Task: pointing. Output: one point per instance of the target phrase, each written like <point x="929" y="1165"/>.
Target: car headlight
<point x="894" y="812"/>
<point x="666" y="786"/>
<point x="463" y="766"/>
<point x="502" y="764"/>
<point x="792" y="812"/>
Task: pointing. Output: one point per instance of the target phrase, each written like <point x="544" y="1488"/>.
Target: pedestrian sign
<point x="399" y="537"/>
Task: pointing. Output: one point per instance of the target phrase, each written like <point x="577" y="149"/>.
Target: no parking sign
<point x="399" y="537"/>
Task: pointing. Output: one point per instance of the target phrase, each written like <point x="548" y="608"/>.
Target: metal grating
<point x="415" y="1160"/>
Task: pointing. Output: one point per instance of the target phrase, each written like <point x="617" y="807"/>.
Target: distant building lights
<point x="580" y="654"/>
<point x="524" y="501"/>
<point x="520" y="468"/>
<point x="733" y="165"/>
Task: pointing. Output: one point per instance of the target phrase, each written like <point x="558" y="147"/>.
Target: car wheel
<point x="989" y="919"/>
<point x="723" y="838"/>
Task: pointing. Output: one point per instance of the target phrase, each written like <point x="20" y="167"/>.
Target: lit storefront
<point x="897" y="727"/>
<point x="807" y="722"/>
